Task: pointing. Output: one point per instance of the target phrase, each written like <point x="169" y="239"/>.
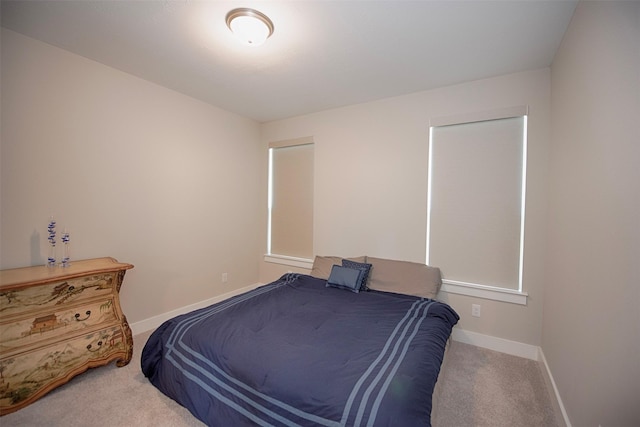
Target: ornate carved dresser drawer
<point x="56" y="323"/>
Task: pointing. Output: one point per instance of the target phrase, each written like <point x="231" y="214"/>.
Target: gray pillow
<point x="404" y="277"/>
<point x="364" y="269"/>
<point x="345" y="278"/>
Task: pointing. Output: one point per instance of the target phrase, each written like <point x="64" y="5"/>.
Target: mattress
<point x="298" y="353"/>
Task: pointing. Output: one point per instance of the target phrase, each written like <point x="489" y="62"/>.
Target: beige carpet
<point x="480" y="388"/>
<point x="485" y="388"/>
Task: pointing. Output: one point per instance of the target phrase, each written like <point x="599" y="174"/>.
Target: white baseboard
<point x="519" y="349"/>
<point x="513" y="348"/>
<point x="553" y="390"/>
<point x="155" y="321"/>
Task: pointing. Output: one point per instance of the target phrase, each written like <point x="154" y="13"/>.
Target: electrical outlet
<point x="475" y="310"/>
<point x="225" y="277"/>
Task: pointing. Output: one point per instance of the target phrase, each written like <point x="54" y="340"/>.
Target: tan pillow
<point x="404" y="277"/>
<point x="322" y="265"/>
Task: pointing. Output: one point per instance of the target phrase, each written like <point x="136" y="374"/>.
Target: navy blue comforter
<point x="295" y="352"/>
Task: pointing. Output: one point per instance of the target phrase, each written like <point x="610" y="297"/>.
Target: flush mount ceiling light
<point x="251" y="26"/>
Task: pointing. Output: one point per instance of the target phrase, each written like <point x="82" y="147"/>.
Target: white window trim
<point x="515" y="296"/>
<point x="289" y="260"/>
<point x="486" y="292"/>
<point x="269" y="256"/>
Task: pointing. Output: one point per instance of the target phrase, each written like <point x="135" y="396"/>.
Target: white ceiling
<point x="323" y="54"/>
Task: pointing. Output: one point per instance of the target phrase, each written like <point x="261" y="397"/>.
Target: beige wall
<point x="591" y="332"/>
<point x="133" y="170"/>
<point x="371" y="184"/>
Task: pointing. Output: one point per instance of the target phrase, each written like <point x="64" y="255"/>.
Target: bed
<point x="326" y="349"/>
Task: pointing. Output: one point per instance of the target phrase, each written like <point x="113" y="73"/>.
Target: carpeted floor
<point x="479" y="388"/>
<point x="482" y="387"/>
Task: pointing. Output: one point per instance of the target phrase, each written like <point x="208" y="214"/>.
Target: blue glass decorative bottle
<point x="51" y="229"/>
<point x="66" y="254"/>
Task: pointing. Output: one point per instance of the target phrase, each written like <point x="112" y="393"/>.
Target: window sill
<point x="289" y="260"/>
<point x="486" y="292"/>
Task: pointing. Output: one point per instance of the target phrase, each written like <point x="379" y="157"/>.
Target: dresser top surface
<point x="45" y="274"/>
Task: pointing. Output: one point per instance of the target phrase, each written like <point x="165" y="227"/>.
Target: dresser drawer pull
<point x="99" y="343"/>
<point x="78" y="319"/>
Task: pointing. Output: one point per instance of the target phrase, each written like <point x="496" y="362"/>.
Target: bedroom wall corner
<point x="133" y="170"/>
<point x="591" y="323"/>
<point x="556" y="399"/>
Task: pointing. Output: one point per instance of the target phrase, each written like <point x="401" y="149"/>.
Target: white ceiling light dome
<point x="249" y="25"/>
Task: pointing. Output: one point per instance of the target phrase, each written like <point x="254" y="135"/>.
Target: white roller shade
<point x="476" y="201"/>
<point x="291" y="199"/>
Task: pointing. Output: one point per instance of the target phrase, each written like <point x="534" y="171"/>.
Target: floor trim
<point x="553" y="390"/>
<point x="502" y="345"/>
<point x="155" y="321"/>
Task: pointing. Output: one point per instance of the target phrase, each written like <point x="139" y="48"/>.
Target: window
<point x="290" y="222"/>
<point x="475" y="215"/>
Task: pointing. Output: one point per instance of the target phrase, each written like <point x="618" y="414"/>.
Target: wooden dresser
<point x="56" y="323"/>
